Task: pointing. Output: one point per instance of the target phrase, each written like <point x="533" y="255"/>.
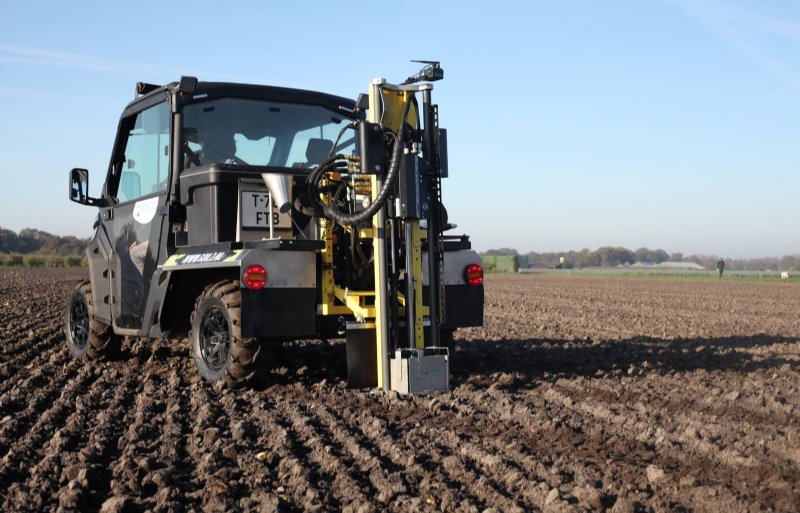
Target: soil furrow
<point x="710" y="463"/>
<point x="326" y="455"/>
<point x="299" y="488"/>
<point x="215" y="478"/>
<point x="18" y="409"/>
<point x="136" y="466"/>
<point x="690" y="422"/>
<point x="27" y="335"/>
<point x="77" y="456"/>
<point x="372" y="456"/>
<point x="60" y="401"/>
<point x="47" y="354"/>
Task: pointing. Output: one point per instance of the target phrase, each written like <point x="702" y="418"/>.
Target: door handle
<point x="108" y="214"/>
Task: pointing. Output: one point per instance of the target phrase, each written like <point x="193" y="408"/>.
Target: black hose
<point x="312" y="182"/>
<point x="394" y="166"/>
<point x="357" y="256"/>
<point x="339" y="137"/>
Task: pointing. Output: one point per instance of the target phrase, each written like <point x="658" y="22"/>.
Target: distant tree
<point x="648" y="255"/>
<point x="570" y="259"/>
<point x="8" y="241"/>
<point x="643" y="255"/>
<point x="790" y="263"/>
<point x="534" y="257"/>
<point x="660" y="255"/>
<point x="31" y="240"/>
<point x="608" y="256"/>
<point x="753" y="264"/>
<point x="27" y="241"/>
<point x="586" y="258"/>
<point x="501" y="252"/>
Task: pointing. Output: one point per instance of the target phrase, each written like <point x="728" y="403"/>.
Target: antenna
<point x="430" y="73"/>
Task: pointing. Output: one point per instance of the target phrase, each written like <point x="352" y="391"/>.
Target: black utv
<point x="212" y="223"/>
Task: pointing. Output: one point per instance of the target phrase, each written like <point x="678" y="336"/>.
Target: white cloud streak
<point x="742" y="29"/>
<point x="23" y="55"/>
<point x="782" y="28"/>
<point x="48" y="96"/>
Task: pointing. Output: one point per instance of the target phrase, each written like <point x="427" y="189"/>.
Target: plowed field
<point x="580" y="393"/>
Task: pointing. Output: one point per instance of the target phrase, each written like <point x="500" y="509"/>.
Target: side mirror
<point x="79" y="188"/>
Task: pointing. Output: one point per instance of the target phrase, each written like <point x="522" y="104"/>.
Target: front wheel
<point x="87" y="338"/>
<point x="218" y="349"/>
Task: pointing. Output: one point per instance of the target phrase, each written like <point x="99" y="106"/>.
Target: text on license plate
<point x="256" y="211"/>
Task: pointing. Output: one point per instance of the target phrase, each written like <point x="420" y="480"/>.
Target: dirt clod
<point x="623" y="505"/>
<point x="117" y="504"/>
<point x="655" y="475"/>
<point x="732" y="396"/>
<point x="589" y="497"/>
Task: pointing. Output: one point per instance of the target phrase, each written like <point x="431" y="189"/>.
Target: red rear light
<point x="255" y="277"/>
<point x="473" y="274"/>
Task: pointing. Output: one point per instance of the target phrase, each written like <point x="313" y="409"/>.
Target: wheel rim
<point x="215" y="339"/>
<point x="79" y="323"/>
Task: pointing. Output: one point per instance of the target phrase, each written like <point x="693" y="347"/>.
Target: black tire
<point x="88" y="338"/>
<point x="218" y="349"/>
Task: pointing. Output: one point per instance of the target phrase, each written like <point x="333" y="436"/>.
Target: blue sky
<point x="572" y="123"/>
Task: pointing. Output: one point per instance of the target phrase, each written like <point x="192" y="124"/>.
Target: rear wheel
<point x="87" y="338"/>
<point x="218" y="348"/>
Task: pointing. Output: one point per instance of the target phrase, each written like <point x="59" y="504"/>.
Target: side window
<point x="146" y="162"/>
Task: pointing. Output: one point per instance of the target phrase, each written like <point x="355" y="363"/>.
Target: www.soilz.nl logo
<point x="201" y="258"/>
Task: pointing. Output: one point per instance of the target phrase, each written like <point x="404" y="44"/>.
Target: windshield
<point x="262" y="133"/>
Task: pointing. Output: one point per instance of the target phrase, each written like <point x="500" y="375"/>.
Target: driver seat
<point x="317" y="151"/>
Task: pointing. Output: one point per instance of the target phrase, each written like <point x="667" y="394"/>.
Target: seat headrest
<point x="318" y="150"/>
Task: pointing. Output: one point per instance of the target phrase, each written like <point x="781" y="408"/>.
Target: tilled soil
<point x="580" y="393"/>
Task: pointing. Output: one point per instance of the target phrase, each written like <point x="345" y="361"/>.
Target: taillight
<point x="255" y="277"/>
<point x="473" y="273"/>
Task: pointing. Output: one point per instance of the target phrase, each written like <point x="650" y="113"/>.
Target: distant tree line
<point x="608" y="256"/>
<point x="31" y="241"/>
<point x="35" y="260"/>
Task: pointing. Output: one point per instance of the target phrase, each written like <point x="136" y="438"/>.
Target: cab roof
<point x="211" y="90"/>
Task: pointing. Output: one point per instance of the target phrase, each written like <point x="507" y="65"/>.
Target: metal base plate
<point x="420" y="371"/>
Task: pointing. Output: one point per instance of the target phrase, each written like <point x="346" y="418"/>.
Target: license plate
<point x="256" y="211"/>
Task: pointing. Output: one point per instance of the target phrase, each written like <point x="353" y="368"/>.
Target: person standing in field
<point x="720" y="267"/>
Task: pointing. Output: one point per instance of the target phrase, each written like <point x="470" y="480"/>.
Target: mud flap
<point x="362" y="363"/>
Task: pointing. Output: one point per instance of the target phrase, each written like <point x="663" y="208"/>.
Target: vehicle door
<point x="137" y="186"/>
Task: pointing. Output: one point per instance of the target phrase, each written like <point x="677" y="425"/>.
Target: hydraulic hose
<point x="312" y="188"/>
<point x="394" y="166"/>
